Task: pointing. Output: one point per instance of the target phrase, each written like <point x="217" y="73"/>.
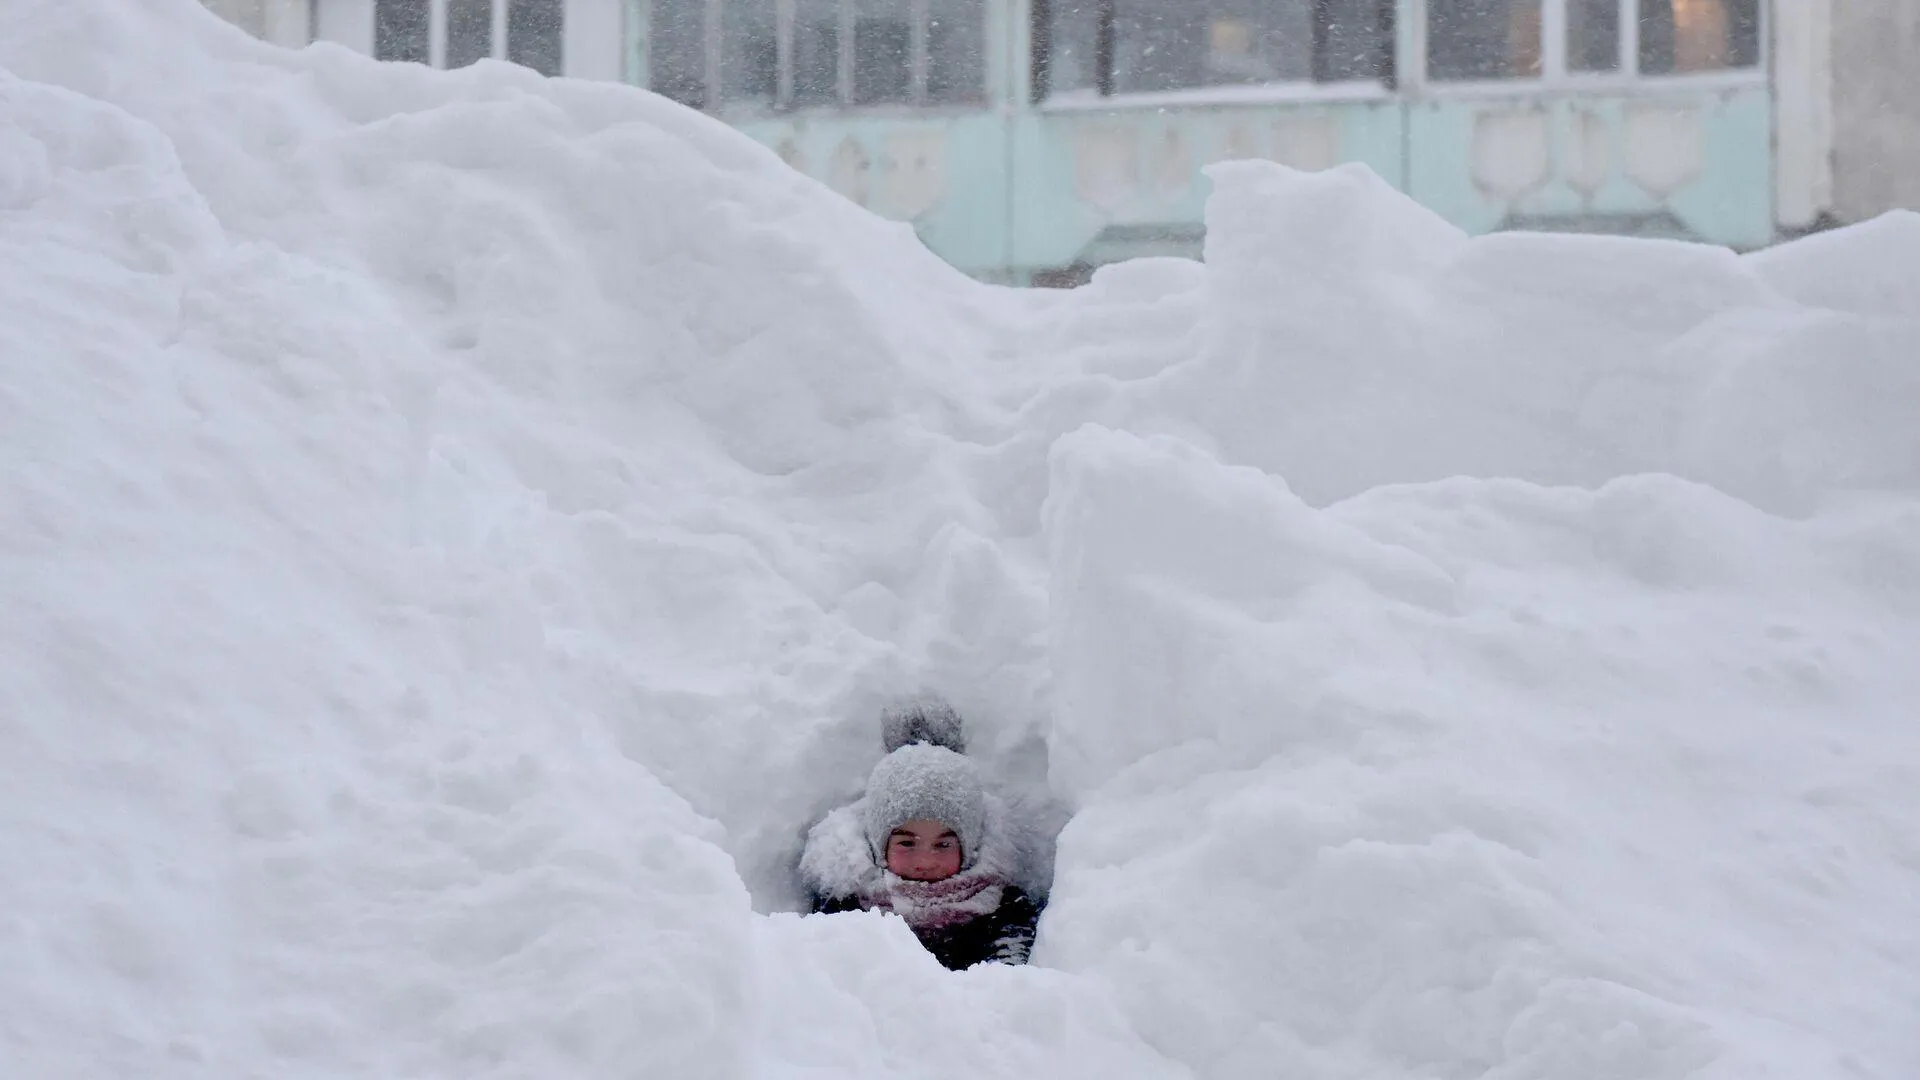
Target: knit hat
<point x="922" y="782"/>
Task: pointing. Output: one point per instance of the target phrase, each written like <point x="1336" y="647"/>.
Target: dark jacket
<point x="1004" y="937"/>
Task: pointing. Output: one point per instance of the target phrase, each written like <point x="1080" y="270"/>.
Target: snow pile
<point x="1496" y="777"/>
<point x="459" y="529"/>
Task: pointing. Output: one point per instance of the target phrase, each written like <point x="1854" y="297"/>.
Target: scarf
<point x="937" y="905"/>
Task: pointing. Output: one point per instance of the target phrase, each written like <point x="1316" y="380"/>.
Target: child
<point x="929" y="844"/>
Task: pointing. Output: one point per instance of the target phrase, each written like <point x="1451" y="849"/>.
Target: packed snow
<point x="459" y="530"/>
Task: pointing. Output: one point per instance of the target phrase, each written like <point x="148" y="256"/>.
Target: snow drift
<point x="459" y="528"/>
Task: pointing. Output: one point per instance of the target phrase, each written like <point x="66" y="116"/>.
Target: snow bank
<point x="1482" y="777"/>
<point x="460" y="528"/>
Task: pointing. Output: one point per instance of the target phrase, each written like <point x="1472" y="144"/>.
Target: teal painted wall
<point x="1692" y="164"/>
<point x="947" y="175"/>
<point x="1081" y="173"/>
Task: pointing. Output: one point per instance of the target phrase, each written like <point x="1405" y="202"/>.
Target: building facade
<point x="585" y="39"/>
<point x="1875" y="107"/>
<point x="1029" y="140"/>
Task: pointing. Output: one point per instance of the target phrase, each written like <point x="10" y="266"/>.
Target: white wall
<point x="596" y="39"/>
<point x="348" y="22"/>
<point x="248" y="15"/>
<point x="1803" y="116"/>
<point x="282" y="22"/>
<point x="1876" y="107"/>
<point x="287" y="23"/>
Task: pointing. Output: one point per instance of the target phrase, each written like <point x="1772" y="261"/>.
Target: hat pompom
<point x="922" y="719"/>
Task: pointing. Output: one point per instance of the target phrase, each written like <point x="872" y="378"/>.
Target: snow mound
<point x="462" y="528"/>
<point x="1872" y="268"/>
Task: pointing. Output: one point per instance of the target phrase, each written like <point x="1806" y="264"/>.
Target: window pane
<point x="750" y="59"/>
<point x="882" y="52"/>
<point x="1593" y="35"/>
<point x="469" y="31"/>
<point x="677" y="50"/>
<point x="535" y="34"/>
<point x="1483" y="39"/>
<point x="1678" y="36"/>
<point x="1352" y="39"/>
<point x="400" y="30"/>
<point x="1177" y="44"/>
<point x="816" y="52"/>
<point x="1072" y="58"/>
<point x="956" y="51"/>
<point x="1155" y="48"/>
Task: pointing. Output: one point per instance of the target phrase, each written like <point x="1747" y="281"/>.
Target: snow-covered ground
<point x="457" y="530"/>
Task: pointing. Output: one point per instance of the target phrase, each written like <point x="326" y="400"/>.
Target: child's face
<point x="922" y="850"/>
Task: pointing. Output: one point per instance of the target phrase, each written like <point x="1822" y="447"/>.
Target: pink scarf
<point x="936" y="905"/>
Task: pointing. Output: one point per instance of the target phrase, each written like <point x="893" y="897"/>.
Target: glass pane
<point x="956" y="51"/>
<point x="1593" y="35"/>
<point x="1678" y="36"/>
<point x="1072" y="57"/>
<point x="749" y="56"/>
<point x="882" y="52"/>
<point x="536" y="34"/>
<point x="816" y="52"/>
<point x="469" y="31"/>
<point x="1178" y="44"/>
<point x="677" y="50"/>
<point x="400" y="31"/>
<point x="1483" y="39"/>
<point x="1352" y="39"/>
<point x="1154" y="48"/>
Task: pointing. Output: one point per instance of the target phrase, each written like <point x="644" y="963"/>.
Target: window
<point x="883" y="51"/>
<point x="1681" y="36"/>
<point x="782" y="54"/>
<point x="816" y="53"/>
<point x="1352" y="40"/>
<point x="1503" y="39"/>
<point x="536" y="34"/>
<point x="1066" y="46"/>
<point x="956" y="52"/>
<point x="405" y="30"/>
<point x="469" y="31"/>
<point x="1150" y="46"/>
<point x="1593" y="35"/>
<point x="677" y="53"/>
<point x="749" y="52"/>
<point x="1483" y="39"/>
<point x="401" y="31"/>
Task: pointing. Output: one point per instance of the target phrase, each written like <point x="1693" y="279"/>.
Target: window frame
<point x="785" y="23"/>
<point x="1406" y="74"/>
<point x="1554" y="76"/>
<point x="1103" y="95"/>
<point x="437" y="26"/>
